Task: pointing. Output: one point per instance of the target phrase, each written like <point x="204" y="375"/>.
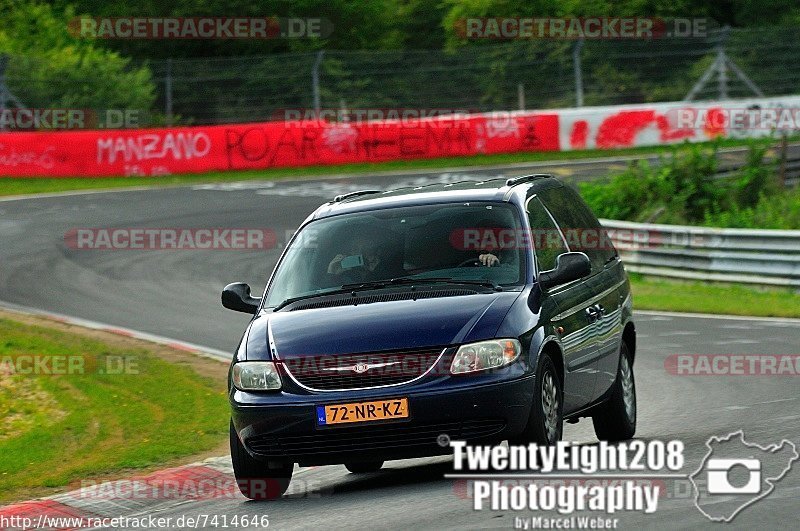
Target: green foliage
<point x="357" y="25"/>
<point x="683" y="188"/>
<point x="51" y="68"/>
<point x="777" y="211"/>
<point x="736" y="13"/>
<point x="680" y="187"/>
<point x="393" y="24"/>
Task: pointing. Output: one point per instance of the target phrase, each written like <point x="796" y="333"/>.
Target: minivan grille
<point x="359" y="371"/>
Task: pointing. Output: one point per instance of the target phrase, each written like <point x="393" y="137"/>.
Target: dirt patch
<point x="19" y="416"/>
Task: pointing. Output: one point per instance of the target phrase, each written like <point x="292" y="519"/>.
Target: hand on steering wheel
<point x="489" y="260"/>
<point x="470" y="262"/>
<point x="486" y="259"/>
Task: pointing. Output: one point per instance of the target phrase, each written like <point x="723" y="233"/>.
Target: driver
<point x="489" y="255"/>
<point x="361" y="253"/>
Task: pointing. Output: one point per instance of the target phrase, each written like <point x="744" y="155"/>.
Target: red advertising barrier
<point x="177" y="150"/>
<point x="99" y="153"/>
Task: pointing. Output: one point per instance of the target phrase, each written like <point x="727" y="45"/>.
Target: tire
<point x="615" y="419"/>
<point x="364" y="467"/>
<point x="546" y="421"/>
<point x="257" y="480"/>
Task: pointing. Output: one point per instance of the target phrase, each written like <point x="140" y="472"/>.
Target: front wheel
<point x="546" y="420"/>
<point x="257" y="480"/>
<point x="615" y="420"/>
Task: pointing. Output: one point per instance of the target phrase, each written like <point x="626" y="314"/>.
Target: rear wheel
<point x="546" y="420"/>
<point x="258" y="480"/>
<point x="364" y="467"/>
<point x="615" y="420"/>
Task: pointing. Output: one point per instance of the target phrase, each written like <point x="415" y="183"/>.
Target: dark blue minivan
<point x="396" y="321"/>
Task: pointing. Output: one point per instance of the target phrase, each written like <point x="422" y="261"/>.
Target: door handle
<point x="600" y="310"/>
<point x="592" y="314"/>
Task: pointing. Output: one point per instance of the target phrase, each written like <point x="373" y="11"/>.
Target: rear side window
<point x="579" y="225"/>
<point x="546" y="238"/>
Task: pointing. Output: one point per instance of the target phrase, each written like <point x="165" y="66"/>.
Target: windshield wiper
<point x="377" y="284"/>
<point x="346" y="288"/>
<point x="429" y="280"/>
<point x="290" y="300"/>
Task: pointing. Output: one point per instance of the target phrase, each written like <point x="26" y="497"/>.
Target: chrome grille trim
<point x="405" y="382"/>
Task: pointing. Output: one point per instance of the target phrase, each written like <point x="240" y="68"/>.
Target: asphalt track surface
<point x="176" y="294"/>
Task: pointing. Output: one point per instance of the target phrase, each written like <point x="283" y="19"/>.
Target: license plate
<point x="362" y="412"/>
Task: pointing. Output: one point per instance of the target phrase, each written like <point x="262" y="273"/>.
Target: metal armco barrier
<point x="752" y="256"/>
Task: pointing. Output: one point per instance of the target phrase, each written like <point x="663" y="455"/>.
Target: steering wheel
<point x="350" y="276"/>
<point x="471" y="262"/>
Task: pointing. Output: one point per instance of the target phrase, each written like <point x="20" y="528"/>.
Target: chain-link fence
<point x="532" y="74"/>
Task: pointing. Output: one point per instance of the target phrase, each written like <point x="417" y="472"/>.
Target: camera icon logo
<point x="718" y="476"/>
<point x="735" y="474"/>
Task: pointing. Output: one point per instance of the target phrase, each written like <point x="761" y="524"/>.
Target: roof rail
<point x="342" y="197"/>
<point x="527" y="178"/>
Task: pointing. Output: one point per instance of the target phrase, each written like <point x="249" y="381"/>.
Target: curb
<point x="721" y="316"/>
<point x="207" y="352"/>
<point x="98" y="504"/>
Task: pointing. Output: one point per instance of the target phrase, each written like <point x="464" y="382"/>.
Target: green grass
<point x="58" y="429"/>
<point x="36" y="185"/>
<point x="732" y="299"/>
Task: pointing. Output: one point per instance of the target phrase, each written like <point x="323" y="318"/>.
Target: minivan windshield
<point x="462" y="242"/>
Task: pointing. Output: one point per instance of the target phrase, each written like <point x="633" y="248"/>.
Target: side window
<point x="545" y="237"/>
<point x="579" y="225"/>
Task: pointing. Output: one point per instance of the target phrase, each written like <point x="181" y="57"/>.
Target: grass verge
<point x="37" y="185"/>
<point x="165" y="408"/>
<point x="730" y="299"/>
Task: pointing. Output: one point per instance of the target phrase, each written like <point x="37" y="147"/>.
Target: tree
<point x="50" y="68"/>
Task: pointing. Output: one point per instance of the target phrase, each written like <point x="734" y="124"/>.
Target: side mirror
<point x="237" y="297"/>
<point x="569" y="267"/>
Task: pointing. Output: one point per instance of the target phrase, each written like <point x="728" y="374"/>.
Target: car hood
<point x="382" y="326"/>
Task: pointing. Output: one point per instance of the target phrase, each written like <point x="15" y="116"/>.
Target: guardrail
<point x="752" y="256"/>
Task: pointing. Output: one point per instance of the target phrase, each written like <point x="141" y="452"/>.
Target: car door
<point x="605" y="298"/>
<point x="571" y="320"/>
<point x="603" y="304"/>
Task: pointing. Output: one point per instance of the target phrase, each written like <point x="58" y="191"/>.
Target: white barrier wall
<point x="654" y="124"/>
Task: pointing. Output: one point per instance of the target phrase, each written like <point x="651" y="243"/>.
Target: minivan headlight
<point x="485" y="355"/>
<point x="256" y="376"/>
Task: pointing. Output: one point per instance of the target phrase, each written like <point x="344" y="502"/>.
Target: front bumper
<point x="282" y="426"/>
